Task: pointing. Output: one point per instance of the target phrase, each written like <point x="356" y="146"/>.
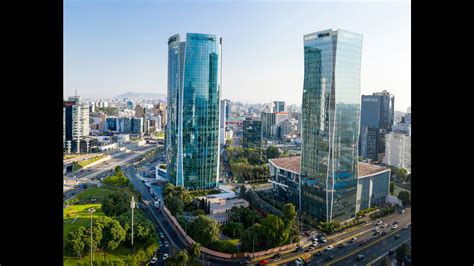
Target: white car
<point x="329" y="247"/>
<point x="379" y="222"/>
<point x="405" y="227"/>
<point x="165" y="256"/>
<point x="322" y="239"/>
<point x="394" y="227"/>
<point x="315" y="243"/>
<point x="154" y="260"/>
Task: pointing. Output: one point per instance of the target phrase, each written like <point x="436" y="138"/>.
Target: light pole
<point x="91" y="211"/>
<point x="132" y="205"/>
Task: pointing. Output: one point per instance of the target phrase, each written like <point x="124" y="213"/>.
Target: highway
<point x="364" y="232"/>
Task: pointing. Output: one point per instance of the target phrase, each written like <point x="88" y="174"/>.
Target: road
<point x="86" y="175"/>
<point x="364" y="232"/>
<point x="375" y="252"/>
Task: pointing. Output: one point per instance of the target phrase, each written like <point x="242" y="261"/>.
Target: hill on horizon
<point x="141" y="96"/>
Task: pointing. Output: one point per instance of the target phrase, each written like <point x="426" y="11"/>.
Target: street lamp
<point x="91" y="211"/>
<point x="132" y="205"/>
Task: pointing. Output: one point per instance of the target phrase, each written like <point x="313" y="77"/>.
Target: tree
<point x="194" y="251"/>
<point x="402" y="252"/>
<point x="402" y="174"/>
<point x="181" y="258"/>
<point x="272" y="152"/>
<point x="404" y="196"/>
<point x="289" y="212"/>
<point x="330" y="227"/>
<point x="228" y="142"/>
<point x="198" y="212"/>
<point x="233" y="229"/>
<point x="385" y="261"/>
<point x="204" y="230"/>
<point x="112" y="234"/>
<point x="392" y="187"/>
<point x="245" y="216"/>
<point x="274" y="230"/>
<point x="175" y="205"/>
<point x="75" y="242"/>
<point x="115" y="204"/>
<point x="252" y="239"/>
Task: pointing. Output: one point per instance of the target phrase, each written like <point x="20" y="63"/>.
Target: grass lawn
<point x="233" y="241"/>
<point x="83" y="217"/>
<point x="91" y="160"/>
<point x="94" y="192"/>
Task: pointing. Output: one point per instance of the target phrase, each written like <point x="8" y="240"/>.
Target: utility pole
<point x="91" y="211"/>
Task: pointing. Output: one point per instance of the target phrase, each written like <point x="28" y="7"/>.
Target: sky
<point x="117" y="46"/>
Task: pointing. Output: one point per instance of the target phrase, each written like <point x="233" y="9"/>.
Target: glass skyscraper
<point x="330" y="124"/>
<point x="192" y="134"/>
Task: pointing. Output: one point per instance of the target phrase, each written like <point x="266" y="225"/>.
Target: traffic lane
<point x="366" y="233"/>
<point x="379" y="249"/>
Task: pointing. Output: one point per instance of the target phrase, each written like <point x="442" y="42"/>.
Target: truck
<point x="307" y="257"/>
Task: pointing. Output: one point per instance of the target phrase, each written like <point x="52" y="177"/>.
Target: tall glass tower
<point x="330" y="125"/>
<point x="192" y="133"/>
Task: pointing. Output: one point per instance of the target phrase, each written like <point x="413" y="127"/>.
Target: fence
<point x="189" y="241"/>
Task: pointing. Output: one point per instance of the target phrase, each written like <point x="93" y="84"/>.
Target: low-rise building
<point x="224" y="202"/>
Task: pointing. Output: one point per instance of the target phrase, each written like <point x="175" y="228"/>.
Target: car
<point x="405" y="227"/>
<point x="299" y="261"/>
<point x="311" y="248"/>
<point x="153" y="260"/>
<point x="319" y="253"/>
<point x="375" y="229"/>
<point x="360" y="257"/>
<point x="376" y="233"/>
<point x="354" y="239"/>
<point x="402" y="211"/>
<point x="391" y="252"/>
<point x="329" y="247"/>
<point x="363" y="243"/>
<point x="396" y="222"/>
<point x="379" y="222"/>
<point x="384" y="225"/>
<point x="394" y="227"/>
<point x="166" y="244"/>
<point x="329" y="258"/>
<point x="298" y="249"/>
<point x="384" y="233"/>
<point x="397" y="236"/>
<point x="244" y="262"/>
<point x="276" y="256"/>
<point x="165" y="256"/>
<point x="263" y="262"/>
<point x="341" y="245"/>
<point x="322" y="239"/>
<point x="314" y="244"/>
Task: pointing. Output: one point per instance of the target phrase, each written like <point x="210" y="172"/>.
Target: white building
<point x="398" y="150"/>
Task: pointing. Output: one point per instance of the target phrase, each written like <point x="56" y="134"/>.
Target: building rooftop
<point x="293" y="164"/>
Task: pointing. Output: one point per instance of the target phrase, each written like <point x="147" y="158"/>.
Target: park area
<point x="111" y="218"/>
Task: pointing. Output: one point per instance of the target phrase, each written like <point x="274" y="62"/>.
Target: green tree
<point x="402" y="252"/>
<point x="75" y="242"/>
<point x="115" y="204"/>
<point x="385" y="261"/>
<point x="272" y="152"/>
<point x="330" y="227"/>
<point x="245" y="216"/>
<point x="175" y="205"/>
<point x="233" y="229"/>
<point x="112" y="234"/>
<point x="198" y="212"/>
<point x="181" y="258"/>
<point x="275" y="231"/>
<point x="224" y="246"/>
<point x="252" y="239"/>
<point x="289" y="212"/>
<point x="204" y="230"/>
<point x="194" y="251"/>
<point x="404" y="196"/>
<point x="392" y="187"/>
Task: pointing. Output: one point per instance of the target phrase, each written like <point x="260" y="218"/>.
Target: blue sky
<point x="112" y="47"/>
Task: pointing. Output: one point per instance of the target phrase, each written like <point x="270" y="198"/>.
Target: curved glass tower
<point x="192" y="133"/>
<point x="330" y="124"/>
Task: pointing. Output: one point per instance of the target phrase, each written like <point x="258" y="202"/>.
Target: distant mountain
<point x="141" y="96"/>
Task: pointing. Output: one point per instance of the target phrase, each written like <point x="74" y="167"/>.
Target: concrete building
<point x="398" y="150"/>
<point x="76" y="122"/>
<point x="278" y="106"/>
<point x="268" y="120"/>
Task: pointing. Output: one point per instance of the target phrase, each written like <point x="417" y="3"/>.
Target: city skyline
<point x="124" y="50"/>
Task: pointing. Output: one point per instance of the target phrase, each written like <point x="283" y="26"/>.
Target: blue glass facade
<point x="330" y="124"/>
<point x="192" y="134"/>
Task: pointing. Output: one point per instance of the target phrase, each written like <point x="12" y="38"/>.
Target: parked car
<point x="354" y="239"/>
<point x="165" y="256"/>
<point x="153" y="260"/>
<point x="397" y="236"/>
<point x="360" y="257"/>
<point x="322" y="239"/>
<point x="363" y="243"/>
<point x="394" y="227"/>
<point x="298" y="249"/>
<point x="244" y="262"/>
<point x="341" y="245"/>
<point x="405" y="227"/>
<point x="329" y="247"/>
